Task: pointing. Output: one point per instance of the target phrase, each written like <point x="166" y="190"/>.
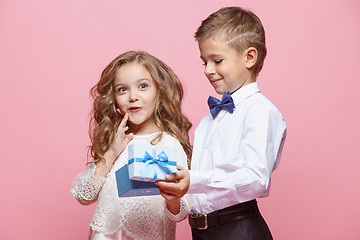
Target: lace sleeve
<point x="185" y="201"/>
<point x="185" y="210"/>
<point x="86" y="186"/>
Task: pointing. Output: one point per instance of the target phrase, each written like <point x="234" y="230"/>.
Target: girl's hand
<point x="118" y="145"/>
<point x="172" y="202"/>
<point x="120" y="141"/>
<point x="178" y="185"/>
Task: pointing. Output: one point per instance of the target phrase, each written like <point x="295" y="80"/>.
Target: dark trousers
<point x="252" y="228"/>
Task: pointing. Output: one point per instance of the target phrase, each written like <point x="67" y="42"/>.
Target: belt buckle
<point x="205" y="221"/>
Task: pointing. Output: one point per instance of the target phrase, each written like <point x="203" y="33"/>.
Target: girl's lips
<point x="134" y="109"/>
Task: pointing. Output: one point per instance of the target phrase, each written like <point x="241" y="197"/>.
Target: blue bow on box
<point x="144" y="166"/>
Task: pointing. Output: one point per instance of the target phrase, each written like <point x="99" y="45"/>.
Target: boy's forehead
<point x="212" y="48"/>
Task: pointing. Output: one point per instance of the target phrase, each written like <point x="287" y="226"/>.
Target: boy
<point x="238" y="145"/>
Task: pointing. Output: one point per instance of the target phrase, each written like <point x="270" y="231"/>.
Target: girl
<point x="141" y="90"/>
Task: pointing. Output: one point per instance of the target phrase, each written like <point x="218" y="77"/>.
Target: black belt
<point x="225" y="215"/>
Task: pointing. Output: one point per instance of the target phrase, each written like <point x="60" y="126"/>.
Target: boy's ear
<point x="251" y="57"/>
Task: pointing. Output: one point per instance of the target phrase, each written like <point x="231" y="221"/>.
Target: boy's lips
<point x="214" y="81"/>
<point x="134" y="109"/>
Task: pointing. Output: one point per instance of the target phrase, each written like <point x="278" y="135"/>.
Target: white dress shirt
<point x="235" y="153"/>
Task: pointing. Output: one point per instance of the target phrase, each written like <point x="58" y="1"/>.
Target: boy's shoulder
<point x="258" y="101"/>
<point x="259" y="106"/>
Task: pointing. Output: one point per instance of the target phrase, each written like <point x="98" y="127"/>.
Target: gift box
<point x="150" y="162"/>
<point x="132" y="188"/>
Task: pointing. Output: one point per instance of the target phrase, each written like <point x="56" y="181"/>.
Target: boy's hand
<point x="178" y="187"/>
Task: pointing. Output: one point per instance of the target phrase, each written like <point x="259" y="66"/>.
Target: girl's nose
<point x="133" y="96"/>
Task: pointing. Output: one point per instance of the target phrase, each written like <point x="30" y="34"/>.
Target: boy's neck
<point x="252" y="79"/>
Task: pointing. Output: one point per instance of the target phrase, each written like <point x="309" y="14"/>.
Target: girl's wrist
<point x="104" y="166"/>
<point x="109" y="157"/>
<point x="173" y="205"/>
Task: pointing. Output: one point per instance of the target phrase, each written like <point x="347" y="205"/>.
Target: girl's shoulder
<point x="167" y="138"/>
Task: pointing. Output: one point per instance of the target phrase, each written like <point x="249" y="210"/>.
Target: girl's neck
<point x="139" y="130"/>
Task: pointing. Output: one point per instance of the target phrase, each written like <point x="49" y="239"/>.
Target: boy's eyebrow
<point x="212" y="55"/>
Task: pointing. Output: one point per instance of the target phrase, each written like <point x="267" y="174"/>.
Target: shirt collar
<point x="245" y="92"/>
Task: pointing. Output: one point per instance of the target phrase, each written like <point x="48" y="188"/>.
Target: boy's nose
<point x="209" y="69"/>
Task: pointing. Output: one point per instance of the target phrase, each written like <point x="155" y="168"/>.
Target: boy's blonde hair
<point x="167" y="116"/>
<point x="237" y="27"/>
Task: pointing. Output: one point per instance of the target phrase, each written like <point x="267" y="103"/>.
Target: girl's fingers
<point x="121" y="131"/>
<point x="166" y="187"/>
<point x="180" y="168"/>
<point x="124" y="120"/>
<point x="130" y="136"/>
<point x="166" y="195"/>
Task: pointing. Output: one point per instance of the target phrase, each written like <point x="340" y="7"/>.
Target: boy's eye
<point x="218" y="61"/>
<point x="143" y="86"/>
<point x="204" y="64"/>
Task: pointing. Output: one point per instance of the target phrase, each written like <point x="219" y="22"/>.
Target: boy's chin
<point x="219" y="91"/>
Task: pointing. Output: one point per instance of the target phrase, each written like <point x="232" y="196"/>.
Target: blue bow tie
<point x="216" y="105"/>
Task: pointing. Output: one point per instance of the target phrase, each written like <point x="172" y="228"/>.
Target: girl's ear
<point x="251" y="55"/>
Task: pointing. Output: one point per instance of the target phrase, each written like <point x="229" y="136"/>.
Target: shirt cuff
<point x="197" y="181"/>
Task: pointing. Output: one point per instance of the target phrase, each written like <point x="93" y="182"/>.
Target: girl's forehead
<point x="132" y="72"/>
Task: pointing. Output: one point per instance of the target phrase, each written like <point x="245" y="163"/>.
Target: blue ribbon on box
<point x="160" y="161"/>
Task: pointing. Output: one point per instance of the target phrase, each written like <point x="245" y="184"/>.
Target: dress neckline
<point x="150" y="135"/>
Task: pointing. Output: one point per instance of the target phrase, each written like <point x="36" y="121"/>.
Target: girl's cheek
<point x="119" y="109"/>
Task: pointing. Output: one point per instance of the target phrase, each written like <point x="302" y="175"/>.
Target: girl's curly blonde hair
<point x="168" y="115"/>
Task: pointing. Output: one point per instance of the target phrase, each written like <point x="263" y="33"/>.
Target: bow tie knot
<point x="216" y="105"/>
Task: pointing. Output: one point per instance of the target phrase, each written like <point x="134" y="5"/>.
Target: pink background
<point x="52" y="53"/>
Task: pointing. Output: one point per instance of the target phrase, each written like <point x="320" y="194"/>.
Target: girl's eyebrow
<point x="142" y="79"/>
<point x="139" y="80"/>
<point x="119" y="84"/>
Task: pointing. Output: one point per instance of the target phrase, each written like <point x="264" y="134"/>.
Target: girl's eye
<point x="121" y="89"/>
<point x="218" y="61"/>
<point x="204" y="64"/>
<point x="143" y="86"/>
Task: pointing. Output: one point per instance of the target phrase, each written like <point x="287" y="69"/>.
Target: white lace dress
<point x="117" y="218"/>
